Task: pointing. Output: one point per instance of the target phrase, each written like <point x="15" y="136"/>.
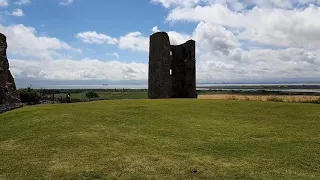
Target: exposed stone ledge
<point x="9" y="107"/>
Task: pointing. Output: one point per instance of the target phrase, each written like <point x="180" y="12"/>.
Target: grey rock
<point x="8" y="91"/>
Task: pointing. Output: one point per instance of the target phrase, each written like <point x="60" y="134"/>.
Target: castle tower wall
<point x="172" y="69"/>
<point x="159" y="82"/>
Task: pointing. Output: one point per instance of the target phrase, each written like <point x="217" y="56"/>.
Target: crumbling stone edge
<point x="9" y="107"/>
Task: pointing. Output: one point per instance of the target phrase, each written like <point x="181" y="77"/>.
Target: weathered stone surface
<point x="172" y="69"/>
<point x="159" y="66"/>
<point x="9" y="107"/>
<point x="8" y="92"/>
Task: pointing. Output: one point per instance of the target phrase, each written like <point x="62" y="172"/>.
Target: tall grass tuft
<point x="275" y="99"/>
<point x="232" y="98"/>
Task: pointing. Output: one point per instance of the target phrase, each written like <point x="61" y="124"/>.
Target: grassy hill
<point x="161" y="139"/>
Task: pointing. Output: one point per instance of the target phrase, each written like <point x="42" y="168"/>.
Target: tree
<point x="29" y="95"/>
<point x="92" y="94"/>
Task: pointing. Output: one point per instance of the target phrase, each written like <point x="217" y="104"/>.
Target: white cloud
<point x="17" y="12"/>
<point x="24" y="41"/>
<point x="221" y="57"/>
<point x="92" y="37"/>
<point x="177" y="38"/>
<point x="4" y="3"/>
<point x="66" y="2"/>
<point x="259" y="64"/>
<point x="114" y="54"/>
<point x="23" y="2"/>
<point x="278" y="27"/>
<point x="170" y="3"/>
<point x="215" y="66"/>
<point x="134" y="41"/>
<point x="44" y="59"/>
<point x="270" y="40"/>
<point x="84" y="69"/>
<point x="155" y="29"/>
<point x="212" y="38"/>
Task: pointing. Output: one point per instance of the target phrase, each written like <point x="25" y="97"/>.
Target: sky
<point x="72" y="41"/>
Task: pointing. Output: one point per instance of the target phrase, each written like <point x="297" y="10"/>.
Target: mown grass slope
<point x="161" y="139"/>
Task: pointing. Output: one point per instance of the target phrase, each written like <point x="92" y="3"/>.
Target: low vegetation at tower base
<point x="149" y="139"/>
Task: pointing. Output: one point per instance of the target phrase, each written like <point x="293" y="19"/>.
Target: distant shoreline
<point x="200" y="86"/>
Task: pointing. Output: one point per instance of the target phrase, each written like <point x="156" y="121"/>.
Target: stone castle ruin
<point x="172" y="69"/>
<point x="8" y="92"/>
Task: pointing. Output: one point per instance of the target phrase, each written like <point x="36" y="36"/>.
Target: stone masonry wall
<point x="8" y="92"/>
<point x="172" y="70"/>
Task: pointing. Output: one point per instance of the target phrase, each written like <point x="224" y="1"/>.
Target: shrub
<point x="92" y="94"/>
<point x="315" y="101"/>
<point x="232" y="98"/>
<point x="275" y="99"/>
<point x="29" y="95"/>
<point x="75" y="100"/>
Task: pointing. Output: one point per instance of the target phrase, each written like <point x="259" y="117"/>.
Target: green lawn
<point x="161" y="139"/>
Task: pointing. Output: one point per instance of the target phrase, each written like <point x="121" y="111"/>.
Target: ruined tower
<point x="8" y="93"/>
<point x="172" y="69"/>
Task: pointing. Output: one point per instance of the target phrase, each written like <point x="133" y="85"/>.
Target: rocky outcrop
<point x="9" y="107"/>
<point x="8" y="91"/>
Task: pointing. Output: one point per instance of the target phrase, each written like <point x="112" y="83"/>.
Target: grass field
<point x="109" y="95"/>
<point x="161" y="139"/>
<point x="144" y="95"/>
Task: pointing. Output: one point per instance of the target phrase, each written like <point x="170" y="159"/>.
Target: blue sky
<point x="114" y="18"/>
<point x="237" y="40"/>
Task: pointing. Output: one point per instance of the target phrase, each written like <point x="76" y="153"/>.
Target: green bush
<point x="29" y="96"/>
<point x="75" y="100"/>
<point x="92" y="94"/>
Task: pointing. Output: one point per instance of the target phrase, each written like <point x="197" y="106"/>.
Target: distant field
<point x="161" y="139"/>
<point x="285" y="98"/>
<point x="204" y="95"/>
<point x="109" y="95"/>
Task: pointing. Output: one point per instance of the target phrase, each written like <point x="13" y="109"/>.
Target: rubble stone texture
<point x="172" y="69"/>
<point x="8" y="92"/>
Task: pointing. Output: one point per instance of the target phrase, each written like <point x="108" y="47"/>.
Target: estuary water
<point x="199" y="87"/>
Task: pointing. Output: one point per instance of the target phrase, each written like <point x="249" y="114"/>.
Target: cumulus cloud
<point x="41" y="58"/>
<point x="235" y="40"/>
<point x="138" y="42"/>
<point x="92" y="37"/>
<point x="134" y="41"/>
<point x="271" y="26"/>
<point x="66" y="2"/>
<point x="17" y="12"/>
<point x="114" y="54"/>
<point x="4" y="3"/>
<point x="171" y="3"/>
<point x="259" y="64"/>
<point x="252" y="39"/>
<point x="22" y="2"/>
<point x="155" y="29"/>
<point x="24" y="41"/>
<point x="84" y="69"/>
<point x="212" y="38"/>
